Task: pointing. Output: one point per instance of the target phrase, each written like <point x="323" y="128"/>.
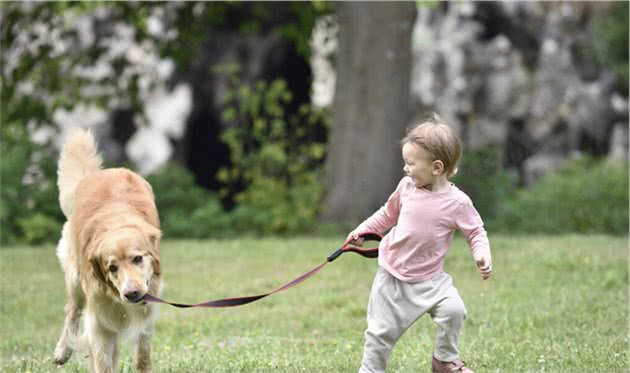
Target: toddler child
<point x="423" y="213"/>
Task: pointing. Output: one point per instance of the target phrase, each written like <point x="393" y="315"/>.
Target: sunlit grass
<point x="554" y="304"/>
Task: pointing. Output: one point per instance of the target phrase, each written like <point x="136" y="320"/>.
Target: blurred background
<point x="284" y="118"/>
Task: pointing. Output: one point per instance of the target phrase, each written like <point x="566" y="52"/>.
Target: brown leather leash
<point x="240" y="301"/>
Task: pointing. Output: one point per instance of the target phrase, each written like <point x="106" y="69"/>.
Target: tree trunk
<point x="370" y="109"/>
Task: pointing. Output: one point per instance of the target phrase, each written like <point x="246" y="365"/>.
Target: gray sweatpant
<point x="394" y="305"/>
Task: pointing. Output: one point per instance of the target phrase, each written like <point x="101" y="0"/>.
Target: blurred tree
<point x="370" y="108"/>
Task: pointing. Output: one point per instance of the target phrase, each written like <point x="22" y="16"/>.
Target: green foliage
<point x="275" y="156"/>
<point x="270" y="206"/>
<point x="29" y="209"/>
<point x="481" y="176"/>
<point x="611" y="39"/>
<point x="293" y="21"/>
<point x="187" y="210"/>
<point x="39" y="228"/>
<point x="276" y="161"/>
<point x="586" y="196"/>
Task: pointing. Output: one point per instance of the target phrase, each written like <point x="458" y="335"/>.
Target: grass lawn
<point x="554" y="304"/>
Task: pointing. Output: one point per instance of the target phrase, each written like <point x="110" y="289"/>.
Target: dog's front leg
<point x="75" y="302"/>
<point x="70" y="330"/>
<point x="143" y="356"/>
<point x="103" y="349"/>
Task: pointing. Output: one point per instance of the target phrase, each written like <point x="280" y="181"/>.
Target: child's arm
<point x="470" y="224"/>
<point x="382" y="220"/>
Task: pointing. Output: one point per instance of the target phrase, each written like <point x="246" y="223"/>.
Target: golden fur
<point x="109" y="252"/>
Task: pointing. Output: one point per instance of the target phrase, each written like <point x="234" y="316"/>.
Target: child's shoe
<point x="456" y="366"/>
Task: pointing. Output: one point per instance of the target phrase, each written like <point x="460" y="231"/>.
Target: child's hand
<point x="485" y="267"/>
<point x="355" y="239"/>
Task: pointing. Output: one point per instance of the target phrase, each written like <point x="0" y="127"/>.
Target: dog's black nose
<point x="133" y="296"/>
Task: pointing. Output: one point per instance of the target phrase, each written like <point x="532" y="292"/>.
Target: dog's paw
<point x="62" y="354"/>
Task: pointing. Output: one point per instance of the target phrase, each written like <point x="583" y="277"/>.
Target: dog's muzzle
<point x="134" y="296"/>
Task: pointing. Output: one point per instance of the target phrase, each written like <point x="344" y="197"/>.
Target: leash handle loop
<point x="371" y="252"/>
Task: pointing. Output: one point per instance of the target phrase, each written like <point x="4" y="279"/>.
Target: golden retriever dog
<point x="109" y="252"/>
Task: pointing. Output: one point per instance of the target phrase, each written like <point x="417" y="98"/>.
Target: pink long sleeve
<point x="468" y="221"/>
<point x="385" y="217"/>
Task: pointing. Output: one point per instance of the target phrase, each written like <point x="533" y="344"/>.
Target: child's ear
<point x="438" y="168"/>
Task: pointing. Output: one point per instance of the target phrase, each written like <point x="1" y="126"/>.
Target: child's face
<point x="419" y="164"/>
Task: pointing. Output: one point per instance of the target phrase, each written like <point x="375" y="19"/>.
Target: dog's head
<point x="126" y="261"/>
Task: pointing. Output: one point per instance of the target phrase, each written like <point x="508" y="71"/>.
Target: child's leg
<point x="449" y="315"/>
<point x="392" y="308"/>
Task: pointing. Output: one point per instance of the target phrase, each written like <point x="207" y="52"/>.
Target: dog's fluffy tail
<point x="78" y="159"/>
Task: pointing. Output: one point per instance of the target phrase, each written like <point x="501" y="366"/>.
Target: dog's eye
<point x="137" y="259"/>
<point x="113" y="268"/>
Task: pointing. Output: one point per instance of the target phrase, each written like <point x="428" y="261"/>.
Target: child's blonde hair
<point x="436" y="137"/>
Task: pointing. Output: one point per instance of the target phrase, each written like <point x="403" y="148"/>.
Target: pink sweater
<point x="423" y="226"/>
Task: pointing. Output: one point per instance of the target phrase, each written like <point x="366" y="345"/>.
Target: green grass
<point x="554" y="304"/>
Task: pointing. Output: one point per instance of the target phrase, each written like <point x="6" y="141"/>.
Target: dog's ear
<point x="153" y="236"/>
<point x="97" y="269"/>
